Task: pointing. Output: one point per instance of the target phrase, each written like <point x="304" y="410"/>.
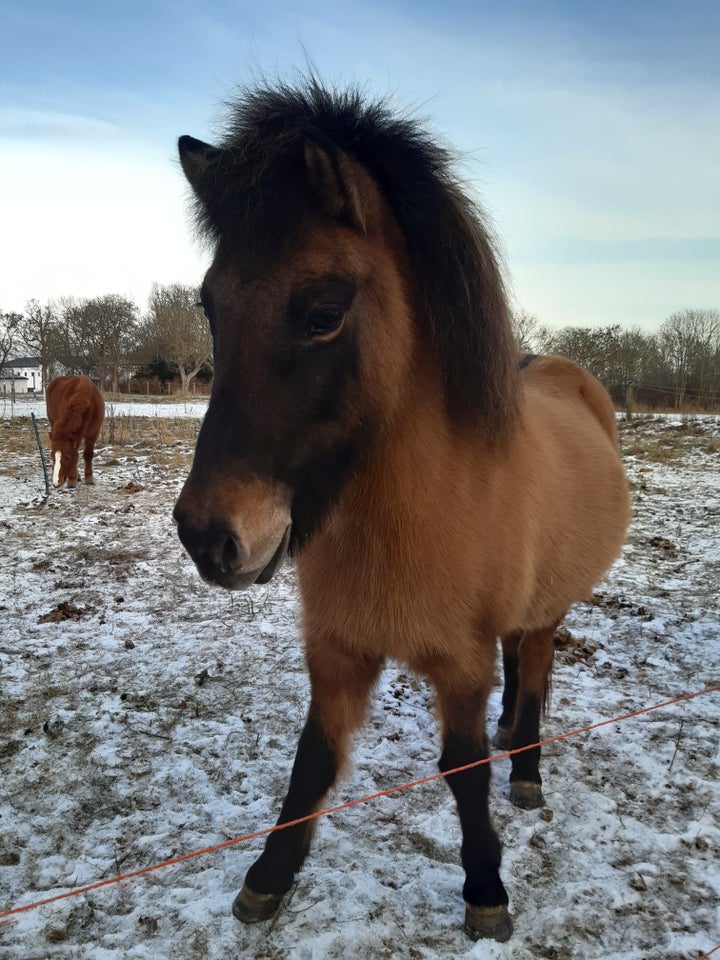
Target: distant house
<point x="21" y="376"/>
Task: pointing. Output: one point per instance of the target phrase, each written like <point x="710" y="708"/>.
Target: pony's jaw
<point x="276" y="560"/>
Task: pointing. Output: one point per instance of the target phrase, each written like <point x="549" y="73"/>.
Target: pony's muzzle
<point x="234" y="548"/>
<point x="222" y="558"/>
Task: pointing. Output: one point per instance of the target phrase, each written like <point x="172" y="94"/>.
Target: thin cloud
<point x="590" y="135"/>
<point x="53" y="125"/>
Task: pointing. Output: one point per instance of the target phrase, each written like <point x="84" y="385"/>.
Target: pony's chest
<point x="380" y="597"/>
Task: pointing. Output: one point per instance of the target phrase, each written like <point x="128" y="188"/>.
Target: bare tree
<point x="38" y="333"/>
<point x="97" y="336"/>
<point x="73" y="347"/>
<point x="690" y="342"/>
<point x="581" y="345"/>
<point x="178" y="328"/>
<point x="114" y="322"/>
<point x="9" y="326"/>
<point x="524" y="326"/>
<point x="679" y="363"/>
<point x="530" y="335"/>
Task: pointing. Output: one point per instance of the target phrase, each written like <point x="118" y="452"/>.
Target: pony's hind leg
<point x="88" y="454"/>
<point x="510" y="655"/>
<point x="534" y="668"/>
<point x="464" y="742"/>
<point x="340" y="687"/>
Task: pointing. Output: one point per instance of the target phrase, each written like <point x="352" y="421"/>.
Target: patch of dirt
<point x="570" y="649"/>
<point x="132" y="487"/>
<point x="615" y="605"/>
<point x="661" y="543"/>
<point x="63" y="611"/>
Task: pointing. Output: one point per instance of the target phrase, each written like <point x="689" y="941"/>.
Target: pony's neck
<point x="419" y="457"/>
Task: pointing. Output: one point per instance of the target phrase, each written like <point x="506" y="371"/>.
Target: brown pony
<point x="368" y="410"/>
<point x="76" y="411"/>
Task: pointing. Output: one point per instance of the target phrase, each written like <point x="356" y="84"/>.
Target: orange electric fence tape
<point x="344" y="806"/>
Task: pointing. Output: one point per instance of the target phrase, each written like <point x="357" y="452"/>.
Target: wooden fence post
<point x="629" y="399"/>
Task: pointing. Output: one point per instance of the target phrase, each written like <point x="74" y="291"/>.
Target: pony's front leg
<point x="88" y="454"/>
<point x="72" y="477"/>
<point x="464" y="742"/>
<point x="340" y="686"/>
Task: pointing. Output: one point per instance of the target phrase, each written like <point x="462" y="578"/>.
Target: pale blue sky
<point x="591" y="134"/>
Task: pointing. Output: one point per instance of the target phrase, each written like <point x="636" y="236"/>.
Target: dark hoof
<point x="251" y="907"/>
<point x="501" y="740"/>
<point x="90" y="483"/>
<point x="526" y="795"/>
<point x="488" y="923"/>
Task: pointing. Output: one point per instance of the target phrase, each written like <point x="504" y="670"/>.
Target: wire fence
<point x="8" y="916"/>
<point x="710" y="953"/>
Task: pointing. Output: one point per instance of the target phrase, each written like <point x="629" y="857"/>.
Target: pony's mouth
<point x="224" y="576"/>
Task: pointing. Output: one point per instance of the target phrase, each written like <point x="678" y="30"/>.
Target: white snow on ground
<point x="172" y="409"/>
<point x="144" y="715"/>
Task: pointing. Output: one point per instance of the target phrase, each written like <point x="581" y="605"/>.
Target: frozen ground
<point x="144" y="715"/>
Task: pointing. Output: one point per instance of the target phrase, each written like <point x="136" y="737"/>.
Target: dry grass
<point x="124" y="430"/>
<point x="168" y="441"/>
<point x="641" y="439"/>
<point x="654" y="451"/>
<point x="18" y="436"/>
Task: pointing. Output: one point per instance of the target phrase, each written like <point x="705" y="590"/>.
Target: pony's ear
<point x="195" y="158"/>
<point x="332" y="178"/>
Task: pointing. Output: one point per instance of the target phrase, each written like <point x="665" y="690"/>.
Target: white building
<point x="21" y="376"/>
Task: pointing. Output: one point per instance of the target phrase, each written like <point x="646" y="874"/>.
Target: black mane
<point x="256" y="187"/>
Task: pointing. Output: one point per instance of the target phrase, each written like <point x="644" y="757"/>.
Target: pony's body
<point x="76" y="410"/>
<point x="368" y="408"/>
<point x="461" y="530"/>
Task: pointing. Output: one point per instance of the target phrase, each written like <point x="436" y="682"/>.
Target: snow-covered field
<point x="171" y="409"/>
<point x="144" y="715"/>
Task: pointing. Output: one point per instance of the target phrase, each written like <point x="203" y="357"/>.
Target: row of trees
<point x="108" y="339"/>
<point x="677" y="366"/>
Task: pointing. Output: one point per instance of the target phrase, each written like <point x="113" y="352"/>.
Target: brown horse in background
<point x="368" y="410"/>
<point x="76" y="411"/>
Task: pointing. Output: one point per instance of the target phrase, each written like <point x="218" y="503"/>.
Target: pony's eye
<point x="317" y="311"/>
<point x="204" y="310"/>
<point x="323" y="320"/>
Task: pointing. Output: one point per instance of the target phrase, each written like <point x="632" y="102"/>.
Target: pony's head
<point x="64" y="460"/>
<point x="347" y="264"/>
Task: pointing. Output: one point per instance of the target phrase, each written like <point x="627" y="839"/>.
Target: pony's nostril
<point x="231" y="556"/>
<point x="213" y="548"/>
